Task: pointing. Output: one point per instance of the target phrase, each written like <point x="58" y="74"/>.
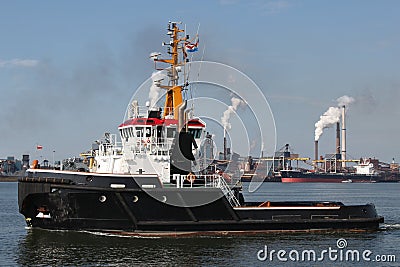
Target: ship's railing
<point x="138" y="112"/>
<point x="143" y="111"/>
<point x="207" y="180"/>
<point x="109" y="145"/>
<point x="152" y="147"/>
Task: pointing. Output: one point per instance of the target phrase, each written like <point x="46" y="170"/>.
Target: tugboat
<point x="151" y="184"/>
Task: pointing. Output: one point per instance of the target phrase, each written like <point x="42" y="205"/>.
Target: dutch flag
<point x="189" y="47"/>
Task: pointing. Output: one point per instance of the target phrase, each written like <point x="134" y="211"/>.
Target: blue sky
<point x="69" y="68"/>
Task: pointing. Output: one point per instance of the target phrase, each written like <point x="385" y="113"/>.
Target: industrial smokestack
<point x="337" y="138"/>
<point x="225" y="152"/>
<point x="316" y="152"/>
<point x="331" y="116"/>
<point x="344" y="136"/>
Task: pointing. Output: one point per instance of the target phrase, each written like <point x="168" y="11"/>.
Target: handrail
<point x="142" y="111"/>
<point x="211" y="181"/>
<point x="228" y="192"/>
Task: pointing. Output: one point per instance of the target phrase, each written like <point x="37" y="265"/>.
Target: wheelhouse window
<point x="139" y="131"/>
<point x="171" y="132"/>
<point x="131" y="133"/>
<point x="126" y="133"/>
<point x="148" y="131"/>
<point x="195" y="132"/>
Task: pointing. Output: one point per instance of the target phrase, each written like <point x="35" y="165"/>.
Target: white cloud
<point x="16" y="62"/>
<point x="277" y="6"/>
<point x="267" y="6"/>
<point x="383" y="44"/>
<point x="228" y="2"/>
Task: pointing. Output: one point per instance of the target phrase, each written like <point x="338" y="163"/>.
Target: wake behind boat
<point x="159" y="181"/>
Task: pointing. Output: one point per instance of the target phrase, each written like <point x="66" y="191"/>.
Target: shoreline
<point x="9" y="179"/>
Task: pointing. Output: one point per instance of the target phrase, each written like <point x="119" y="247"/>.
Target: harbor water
<point x="35" y="247"/>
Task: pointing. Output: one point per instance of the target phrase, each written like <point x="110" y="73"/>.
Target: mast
<point x="173" y="97"/>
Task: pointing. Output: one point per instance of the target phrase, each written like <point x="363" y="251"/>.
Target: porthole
<point x="102" y="199"/>
<point x="135" y="199"/>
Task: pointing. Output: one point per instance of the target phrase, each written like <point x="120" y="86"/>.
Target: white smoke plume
<point x="331" y="116"/>
<point x="236" y="102"/>
<point x="155" y="91"/>
<point x="345" y="100"/>
<point x="16" y="62"/>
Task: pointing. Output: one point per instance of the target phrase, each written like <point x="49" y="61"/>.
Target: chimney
<point x="344" y="136"/>
<point x="316" y="153"/>
<point x="225" y="152"/>
<point x="337" y="138"/>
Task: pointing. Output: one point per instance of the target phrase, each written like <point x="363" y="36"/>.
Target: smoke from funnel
<point x="345" y="100"/>
<point x="236" y="102"/>
<point x="331" y="116"/>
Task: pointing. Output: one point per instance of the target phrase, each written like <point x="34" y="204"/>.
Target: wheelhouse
<point x="155" y="135"/>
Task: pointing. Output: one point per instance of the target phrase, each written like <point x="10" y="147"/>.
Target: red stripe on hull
<point x="310" y="180"/>
<point x="321" y="180"/>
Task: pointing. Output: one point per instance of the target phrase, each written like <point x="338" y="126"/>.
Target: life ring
<point x="191" y="177"/>
<point x="148" y="140"/>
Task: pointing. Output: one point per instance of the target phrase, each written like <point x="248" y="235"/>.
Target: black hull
<point x="314" y="177"/>
<point x="296" y="176"/>
<point x="267" y="179"/>
<point x="85" y="201"/>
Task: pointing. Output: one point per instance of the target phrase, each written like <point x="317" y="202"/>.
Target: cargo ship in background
<point x="366" y="170"/>
<point x="148" y="184"/>
<point x="288" y="167"/>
